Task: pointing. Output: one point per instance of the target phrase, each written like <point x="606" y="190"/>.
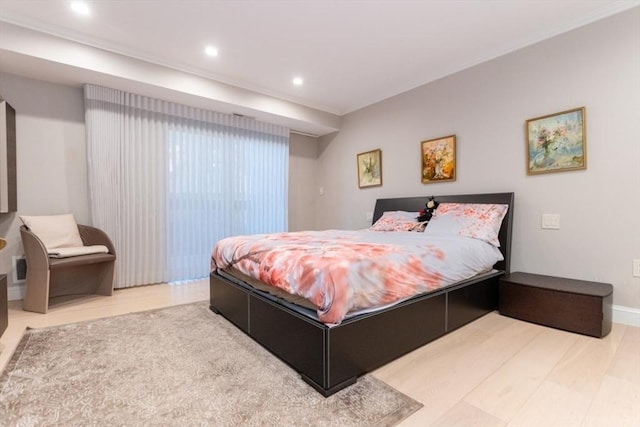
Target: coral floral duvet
<point x="345" y="271"/>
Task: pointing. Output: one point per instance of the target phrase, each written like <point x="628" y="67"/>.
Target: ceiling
<point x="350" y="53"/>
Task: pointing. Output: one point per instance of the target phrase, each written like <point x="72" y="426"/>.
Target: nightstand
<point x="573" y="305"/>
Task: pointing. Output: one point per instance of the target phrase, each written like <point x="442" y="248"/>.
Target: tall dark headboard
<point x="414" y="204"/>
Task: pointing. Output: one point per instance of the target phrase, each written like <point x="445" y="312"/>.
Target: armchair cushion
<point x="77" y="251"/>
<point x="55" y="231"/>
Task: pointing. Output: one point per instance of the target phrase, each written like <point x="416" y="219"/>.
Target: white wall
<point x="303" y="171"/>
<point x="597" y="66"/>
<point x="51" y="150"/>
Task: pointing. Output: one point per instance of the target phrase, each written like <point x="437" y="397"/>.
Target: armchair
<point x="49" y="277"/>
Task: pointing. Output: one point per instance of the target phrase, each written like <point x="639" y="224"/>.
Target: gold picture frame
<point x="369" y="168"/>
<point x="438" y="159"/>
<point x="557" y="142"/>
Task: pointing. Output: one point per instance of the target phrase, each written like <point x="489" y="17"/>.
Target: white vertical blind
<point x="167" y="181"/>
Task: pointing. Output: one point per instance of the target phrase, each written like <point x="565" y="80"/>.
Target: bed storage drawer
<point x="573" y="305"/>
<point x="470" y="302"/>
<point x="363" y="344"/>
<point x="291" y="337"/>
<point x="231" y="300"/>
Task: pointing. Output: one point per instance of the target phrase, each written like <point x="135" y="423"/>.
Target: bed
<point x="332" y="357"/>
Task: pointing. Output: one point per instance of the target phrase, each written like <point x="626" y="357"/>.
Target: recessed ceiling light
<point x="211" y="51"/>
<point x="298" y="81"/>
<point x="81" y="8"/>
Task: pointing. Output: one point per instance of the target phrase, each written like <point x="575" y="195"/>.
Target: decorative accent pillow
<point x="479" y="221"/>
<point x="395" y="221"/>
<point x="55" y="231"/>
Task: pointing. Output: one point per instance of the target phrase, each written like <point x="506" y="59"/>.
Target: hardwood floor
<point x="496" y="371"/>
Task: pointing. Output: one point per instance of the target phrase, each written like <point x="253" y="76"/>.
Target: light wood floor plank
<point x="466" y="415"/>
<point x="587" y="355"/>
<point x="626" y="363"/>
<point x="616" y="404"/>
<point x="505" y="392"/>
<point x="552" y="405"/>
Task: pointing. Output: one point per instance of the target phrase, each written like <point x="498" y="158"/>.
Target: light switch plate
<point x="636" y="268"/>
<point x="551" y="221"/>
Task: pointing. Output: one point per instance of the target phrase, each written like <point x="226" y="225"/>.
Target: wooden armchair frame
<point x="51" y="277"/>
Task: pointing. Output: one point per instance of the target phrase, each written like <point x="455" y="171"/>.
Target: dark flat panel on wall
<point x="8" y="189"/>
<point x="4" y="313"/>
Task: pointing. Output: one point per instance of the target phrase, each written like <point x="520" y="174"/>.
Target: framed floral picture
<point x="438" y="159"/>
<point x="557" y="142"/>
<point x="369" y="168"/>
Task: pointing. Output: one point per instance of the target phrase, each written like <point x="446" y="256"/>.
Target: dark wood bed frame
<point x="332" y="358"/>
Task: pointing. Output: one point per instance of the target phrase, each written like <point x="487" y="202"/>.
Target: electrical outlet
<point x="19" y="269"/>
<point x="636" y="268"/>
<point x="368" y="216"/>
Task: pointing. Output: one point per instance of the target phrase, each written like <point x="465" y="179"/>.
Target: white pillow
<point x="55" y="231"/>
<point x="479" y="221"/>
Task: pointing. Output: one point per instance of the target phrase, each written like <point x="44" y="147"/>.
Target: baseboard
<point x="15" y="292"/>
<point x="626" y="315"/>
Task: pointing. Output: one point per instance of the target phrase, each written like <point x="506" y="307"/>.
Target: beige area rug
<point x="178" y="366"/>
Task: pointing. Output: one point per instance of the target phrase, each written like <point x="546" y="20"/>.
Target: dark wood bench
<point x="573" y="305"/>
